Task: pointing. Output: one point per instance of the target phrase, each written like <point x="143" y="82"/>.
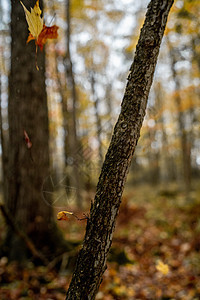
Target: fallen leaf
<point x="162" y="268"/>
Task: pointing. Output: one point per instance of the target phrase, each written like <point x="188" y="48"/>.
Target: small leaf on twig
<point x="62" y="215"/>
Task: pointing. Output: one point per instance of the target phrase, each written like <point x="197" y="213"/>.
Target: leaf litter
<point x="159" y="236"/>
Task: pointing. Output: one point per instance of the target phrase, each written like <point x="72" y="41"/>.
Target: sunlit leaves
<point x="38" y="30"/>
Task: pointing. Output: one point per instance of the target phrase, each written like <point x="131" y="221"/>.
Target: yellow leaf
<point x="163" y="268"/>
<point x="35" y="22"/>
<point x="62" y="215"/>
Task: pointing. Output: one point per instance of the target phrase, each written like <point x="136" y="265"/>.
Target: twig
<point x="81" y="219"/>
<point x="62" y="215"/>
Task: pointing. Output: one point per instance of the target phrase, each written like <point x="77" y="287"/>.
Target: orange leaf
<point x="47" y="33"/>
<point x="38" y="30"/>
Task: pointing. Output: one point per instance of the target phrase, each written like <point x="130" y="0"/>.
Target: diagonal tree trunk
<point x="91" y="262"/>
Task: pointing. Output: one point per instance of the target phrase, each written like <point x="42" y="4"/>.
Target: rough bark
<point x="28" y="171"/>
<point x="91" y="262"/>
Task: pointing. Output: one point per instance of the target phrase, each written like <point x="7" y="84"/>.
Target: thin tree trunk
<point x="185" y="144"/>
<point x="4" y="136"/>
<point x="65" y="114"/>
<point x="109" y="109"/>
<point x="196" y="54"/>
<point x="98" y="119"/>
<point x="153" y="158"/>
<point x="4" y="152"/>
<point x="72" y="114"/>
<point x="167" y="170"/>
<point x="91" y="262"/>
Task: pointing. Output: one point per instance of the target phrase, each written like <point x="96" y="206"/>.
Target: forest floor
<point x="153" y="224"/>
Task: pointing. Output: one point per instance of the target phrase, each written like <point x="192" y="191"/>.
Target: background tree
<point x="28" y="169"/>
<point x="182" y="123"/>
<point x="71" y="156"/>
<point x="91" y="262"/>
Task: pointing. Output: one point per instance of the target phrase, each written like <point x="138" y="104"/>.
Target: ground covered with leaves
<point x="154" y="225"/>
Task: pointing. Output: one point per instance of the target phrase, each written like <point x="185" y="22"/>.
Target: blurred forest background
<point x="84" y="72"/>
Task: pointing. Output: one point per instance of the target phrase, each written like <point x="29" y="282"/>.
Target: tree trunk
<point x="72" y="119"/>
<point x="108" y="98"/>
<point x="97" y="116"/>
<point x="4" y="152"/>
<point x="184" y="138"/>
<point x="167" y="169"/>
<point x="4" y="133"/>
<point x="28" y="199"/>
<point x="63" y="94"/>
<point x="91" y="262"/>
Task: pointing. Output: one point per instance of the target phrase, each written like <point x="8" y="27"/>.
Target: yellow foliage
<point x="187" y="18"/>
<point x="120" y="290"/>
<point x="35" y="22"/>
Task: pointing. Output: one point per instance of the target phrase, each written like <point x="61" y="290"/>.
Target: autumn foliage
<point x="46" y="33"/>
<point x="38" y="30"/>
<point x="155" y="249"/>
